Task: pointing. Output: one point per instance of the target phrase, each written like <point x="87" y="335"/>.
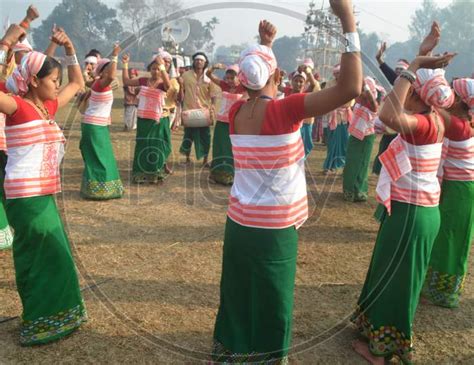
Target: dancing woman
<point x="409" y="190"/>
<point x="101" y="178"/>
<point x="44" y="267"/>
<point x="449" y="258"/>
<point x="222" y="166"/>
<point x="151" y="148"/>
<point x="361" y="142"/>
<point x="268" y="200"/>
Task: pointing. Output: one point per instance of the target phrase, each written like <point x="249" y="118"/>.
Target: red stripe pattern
<point x="409" y="174"/>
<point x="458" y="164"/>
<point x="150" y="103"/>
<point x="269" y="188"/>
<point x="35" y="150"/>
<point x="99" y="108"/>
<point x="227" y="101"/>
<point x="362" y="122"/>
<point x="3" y="138"/>
<point x="340" y="114"/>
<point x="31" y="133"/>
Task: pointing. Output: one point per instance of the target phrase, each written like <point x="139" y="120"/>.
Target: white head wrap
<point x="23" y="46"/>
<point x="91" y="59"/>
<point x="257" y="64"/>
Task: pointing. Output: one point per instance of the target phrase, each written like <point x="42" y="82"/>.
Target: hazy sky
<point x="388" y="18"/>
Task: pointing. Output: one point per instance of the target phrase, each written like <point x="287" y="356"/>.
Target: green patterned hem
<point x="222" y="177"/>
<point x="221" y="355"/>
<point x="355" y="197"/>
<point x="99" y="190"/>
<point x="143" y="178"/>
<point x="443" y="289"/>
<point x="6" y="238"/>
<point x="47" y="329"/>
<point x="384" y="341"/>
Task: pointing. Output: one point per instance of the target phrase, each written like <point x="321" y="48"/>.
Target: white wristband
<point x="352" y="42"/>
<point x="71" y="60"/>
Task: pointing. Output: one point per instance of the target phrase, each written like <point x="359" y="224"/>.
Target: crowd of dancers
<point x="263" y="134"/>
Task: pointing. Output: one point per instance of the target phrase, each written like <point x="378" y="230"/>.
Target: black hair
<point x="93" y="52"/>
<point x="231" y="72"/>
<point x="103" y="68"/>
<point x="403" y="60"/>
<point x="50" y="64"/>
<point x="148" y="68"/>
<point x="201" y="54"/>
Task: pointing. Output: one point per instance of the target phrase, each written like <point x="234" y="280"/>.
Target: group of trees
<point x="457" y="26"/>
<point x="93" y="24"/>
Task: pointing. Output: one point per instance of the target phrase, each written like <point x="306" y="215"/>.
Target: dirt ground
<point x="150" y="264"/>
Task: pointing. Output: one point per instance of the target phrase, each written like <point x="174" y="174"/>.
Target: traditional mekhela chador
<point x="449" y="258"/>
<point x="361" y="141"/>
<point x="45" y="272"/>
<point x="268" y="201"/>
<point x="101" y="178"/>
<point x="409" y="191"/>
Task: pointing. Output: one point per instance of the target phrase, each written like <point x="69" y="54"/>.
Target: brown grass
<point x="156" y="254"/>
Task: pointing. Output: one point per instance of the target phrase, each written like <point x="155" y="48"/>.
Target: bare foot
<point x="168" y="170"/>
<point x="363" y="349"/>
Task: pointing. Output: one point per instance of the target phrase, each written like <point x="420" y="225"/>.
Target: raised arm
<point x="51" y="50"/>
<point x="349" y="83"/>
<point x="164" y="74"/>
<point x="13" y="34"/>
<point x="210" y="73"/>
<point x="393" y="113"/>
<point x="126" y="80"/>
<point x="111" y="72"/>
<point x="431" y="40"/>
<point x="75" y="80"/>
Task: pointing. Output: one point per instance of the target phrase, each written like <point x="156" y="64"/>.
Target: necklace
<point x="41" y="108"/>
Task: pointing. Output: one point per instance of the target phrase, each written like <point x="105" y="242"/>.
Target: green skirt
<point x="222" y="167"/>
<point x="449" y="258"/>
<point x="387" y="304"/>
<point x="152" y="149"/>
<point x="356" y="172"/>
<point x="384" y="143"/>
<point x="6" y="236"/>
<point x="336" y="148"/>
<point x="101" y="179"/>
<point x="45" y="273"/>
<point x="254" y="320"/>
<point x="201" y="137"/>
<point x="307" y="136"/>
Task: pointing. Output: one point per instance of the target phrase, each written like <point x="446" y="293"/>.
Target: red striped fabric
<point x="150" y="103"/>
<point x="33" y="133"/>
<point x="268" y="216"/>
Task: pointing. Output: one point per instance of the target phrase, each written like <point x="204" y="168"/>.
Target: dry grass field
<point x="150" y="264"/>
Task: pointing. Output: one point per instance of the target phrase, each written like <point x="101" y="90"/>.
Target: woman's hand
<point x="432" y="62"/>
<point x="431" y="40"/>
<point x="116" y="50"/>
<point x="14" y="34"/>
<point x="381" y="52"/>
<point x="267" y="33"/>
<point x="125" y="58"/>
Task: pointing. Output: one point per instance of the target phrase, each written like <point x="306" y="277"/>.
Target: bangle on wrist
<point x="352" y="42"/>
<point x="125" y="64"/>
<point x="408" y="75"/>
<point x="162" y="68"/>
<point x="25" y="24"/>
<point x="71" y="60"/>
<point x="114" y="59"/>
